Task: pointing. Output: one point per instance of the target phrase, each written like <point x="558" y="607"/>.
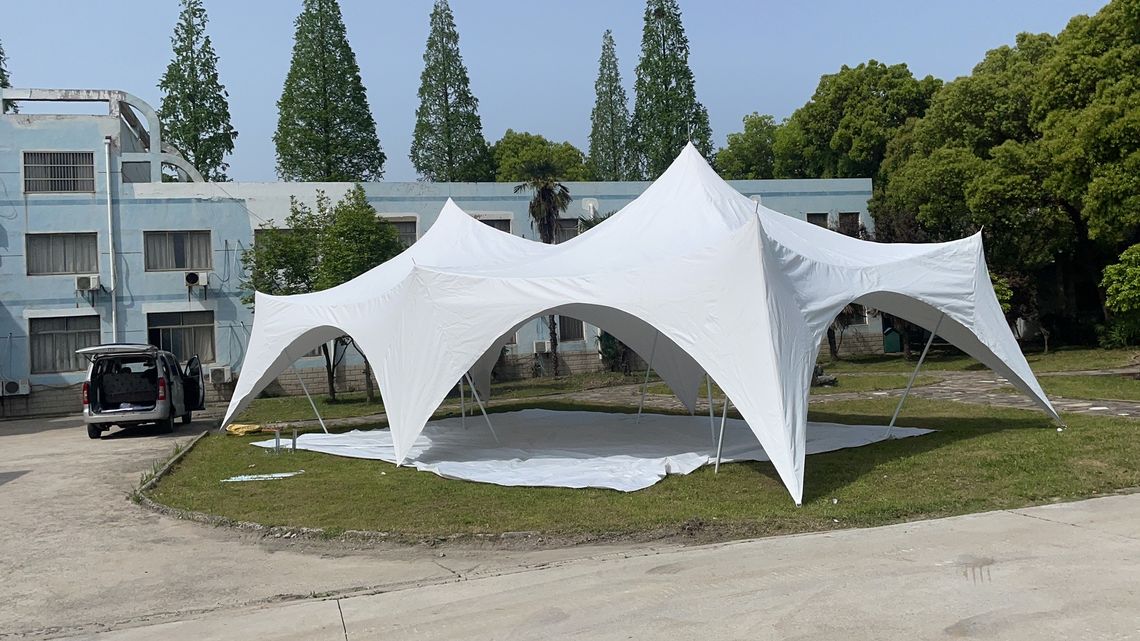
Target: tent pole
<point x="720" y="441"/>
<point x="475" y="395"/>
<point x="462" y="406"/>
<point x="712" y="415"/>
<point x="306" y="390"/>
<point x="914" y="374"/>
<point x="648" y="368"/>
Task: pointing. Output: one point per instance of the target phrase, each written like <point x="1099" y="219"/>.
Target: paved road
<point x="78" y="560"/>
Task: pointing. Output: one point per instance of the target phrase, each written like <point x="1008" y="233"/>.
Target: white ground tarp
<point x="577" y="449"/>
<point x="706" y="279"/>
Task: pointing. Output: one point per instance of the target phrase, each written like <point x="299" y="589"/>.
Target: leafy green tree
<point x="749" y="154"/>
<point x="609" y="157"/>
<point x="518" y="153"/>
<point x="325" y="130"/>
<point x="550" y="199"/>
<point x="666" y="112"/>
<point x="195" y="112"/>
<point x="5" y="81"/>
<point x="447" y="143"/>
<point x="1121" y="284"/>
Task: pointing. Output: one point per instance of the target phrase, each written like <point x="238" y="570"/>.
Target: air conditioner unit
<point x="15" y="388"/>
<point x="542" y="347"/>
<point x="87" y="282"/>
<point x="197" y="279"/>
<point x="220" y="375"/>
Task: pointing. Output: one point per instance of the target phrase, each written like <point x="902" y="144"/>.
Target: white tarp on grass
<point x="577" y="449"/>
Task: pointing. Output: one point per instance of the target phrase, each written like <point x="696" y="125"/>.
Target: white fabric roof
<point x="692" y="270"/>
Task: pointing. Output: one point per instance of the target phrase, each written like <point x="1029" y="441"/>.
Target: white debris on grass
<point x="261" y="477"/>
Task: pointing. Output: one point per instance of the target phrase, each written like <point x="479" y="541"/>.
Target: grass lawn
<point x="1121" y="388"/>
<point x="847" y="383"/>
<point x="982" y="458"/>
<point x="1062" y="360"/>
<point x="353" y="404"/>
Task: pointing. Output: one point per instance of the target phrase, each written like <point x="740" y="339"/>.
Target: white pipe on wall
<point x="111" y="246"/>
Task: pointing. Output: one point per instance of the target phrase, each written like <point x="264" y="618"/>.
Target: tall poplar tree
<point x="195" y="114"/>
<point x="666" y="113"/>
<point x="448" y="143"/>
<point x="609" y="157"/>
<point x="4" y="80"/>
<point x="325" y="129"/>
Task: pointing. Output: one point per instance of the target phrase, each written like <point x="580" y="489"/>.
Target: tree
<point x="195" y="114"/>
<point x="749" y="154"/>
<point x="1121" y="283"/>
<point x="447" y="143"/>
<point x="609" y="157"/>
<point x="5" y="81"/>
<point x="325" y="130"/>
<point x="666" y="113"/>
<point x="318" y="248"/>
<point x="550" y="199"/>
<point x="518" y="153"/>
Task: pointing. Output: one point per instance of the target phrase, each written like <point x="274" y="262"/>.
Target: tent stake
<point x="712" y="415"/>
<point x="914" y="374"/>
<point x="475" y="395"/>
<point x="648" y="368"/>
<point x="720" y="441"/>
<point x="306" y="390"/>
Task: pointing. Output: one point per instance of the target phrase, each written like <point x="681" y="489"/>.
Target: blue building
<point x="95" y="247"/>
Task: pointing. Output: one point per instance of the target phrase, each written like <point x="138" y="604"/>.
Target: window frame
<point x="404" y="218"/>
<point x="77" y="360"/>
<point x="181" y="314"/>
<point x="28" y="252"/>
<point x="486" y="217"/>
<point x="51" y="192"/>
<point x="826" y="219"/>
<point x="210" y="254"/>
<point x="581" y="325"/>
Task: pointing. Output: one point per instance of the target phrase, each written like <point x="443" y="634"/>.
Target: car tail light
<point x="86" y="393"/>
<point x="162" y="389"/>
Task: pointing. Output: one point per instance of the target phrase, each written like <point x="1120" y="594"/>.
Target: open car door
<point x="194" y="384"/>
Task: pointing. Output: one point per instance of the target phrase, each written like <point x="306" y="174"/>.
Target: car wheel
<point x="186" y="418"/>
<point x="94" y="431"/>
<point x="166" y="425"/>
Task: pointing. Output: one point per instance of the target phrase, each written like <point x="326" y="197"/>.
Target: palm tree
<point x="551" y="198"/>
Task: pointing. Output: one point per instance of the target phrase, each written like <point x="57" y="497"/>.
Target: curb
<point x="165" y="469"/>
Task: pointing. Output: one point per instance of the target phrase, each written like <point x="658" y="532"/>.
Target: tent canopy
<point x="707" y="279"/>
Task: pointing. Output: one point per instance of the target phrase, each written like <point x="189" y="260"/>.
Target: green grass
<point x="1107" y="387"/>
<point x="982" y="458"/>
<point x="353" y="404"/>
<point x="847" y="383"/>
<point x="1062" y="360"/>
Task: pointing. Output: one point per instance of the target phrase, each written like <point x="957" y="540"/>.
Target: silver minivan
<point x="135" y="384"/>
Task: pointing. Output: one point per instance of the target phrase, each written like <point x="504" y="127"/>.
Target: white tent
<point x="694" y="272"/>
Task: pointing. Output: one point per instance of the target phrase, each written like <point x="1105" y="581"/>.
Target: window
<point x="185" y="334"/>
<point x="567" y="229"/>
<point x="502" y="224"/>
<point x="853" y="314"/>
<point x="406" y="228"/>
<point x="817" y="219"/>
<point x="173" y="250"/>
<point x="47" y="172"/>
<point x="63" y="253"/>
<point x="570" y="329"/>
<point x="849" y="223"/>
<point x="54" y="341"/>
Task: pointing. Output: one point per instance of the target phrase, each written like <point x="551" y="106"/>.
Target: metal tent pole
<point x="720" y="440"/>
<point x="648" y="369"/>
<point x="475" y="395"/>
<point x="306" y="390"/>
<point x="712" y="415"/>
<point x="914" y="374"/>
<point x="462" y="406"/>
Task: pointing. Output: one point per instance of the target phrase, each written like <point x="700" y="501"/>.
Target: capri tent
<point x="706" y="279"/>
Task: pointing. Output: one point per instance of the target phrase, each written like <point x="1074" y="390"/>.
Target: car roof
<point x="118" y="349"/>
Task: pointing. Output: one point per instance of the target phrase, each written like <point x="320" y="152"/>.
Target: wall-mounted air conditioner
<point x="221" y="375"/>
<point x="197" y="279"/>
<point x="542" y="347"/>
<point x="87" y="282"/>
<point x="15" y="388"/>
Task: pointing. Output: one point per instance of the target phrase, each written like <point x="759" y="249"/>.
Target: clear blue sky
<point x="532" y="62"/>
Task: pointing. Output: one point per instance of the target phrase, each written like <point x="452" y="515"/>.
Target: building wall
<point x="231" y="212"/>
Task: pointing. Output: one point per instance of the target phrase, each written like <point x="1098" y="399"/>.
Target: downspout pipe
<point x="111" y="246"/>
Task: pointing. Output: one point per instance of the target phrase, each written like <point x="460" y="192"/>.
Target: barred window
<point x="63" y="253"/>
<point x="817" y="219"/>
<point x="567" y="229"/>
<point x="48" y="172"/>
<point x="173" y="250"/>
<point x="849" y="223"/>
<point x="570" y="329"/>
<point x="406" y="228"/>
<point x="185" y="334"/>
<point x="502" y="224"/>
<point x="53" y="342"/>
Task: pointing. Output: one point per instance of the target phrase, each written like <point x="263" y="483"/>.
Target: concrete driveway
<point x="78" y="560"/>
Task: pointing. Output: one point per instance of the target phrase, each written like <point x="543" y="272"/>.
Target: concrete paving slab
<point x="309" y="621"/>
